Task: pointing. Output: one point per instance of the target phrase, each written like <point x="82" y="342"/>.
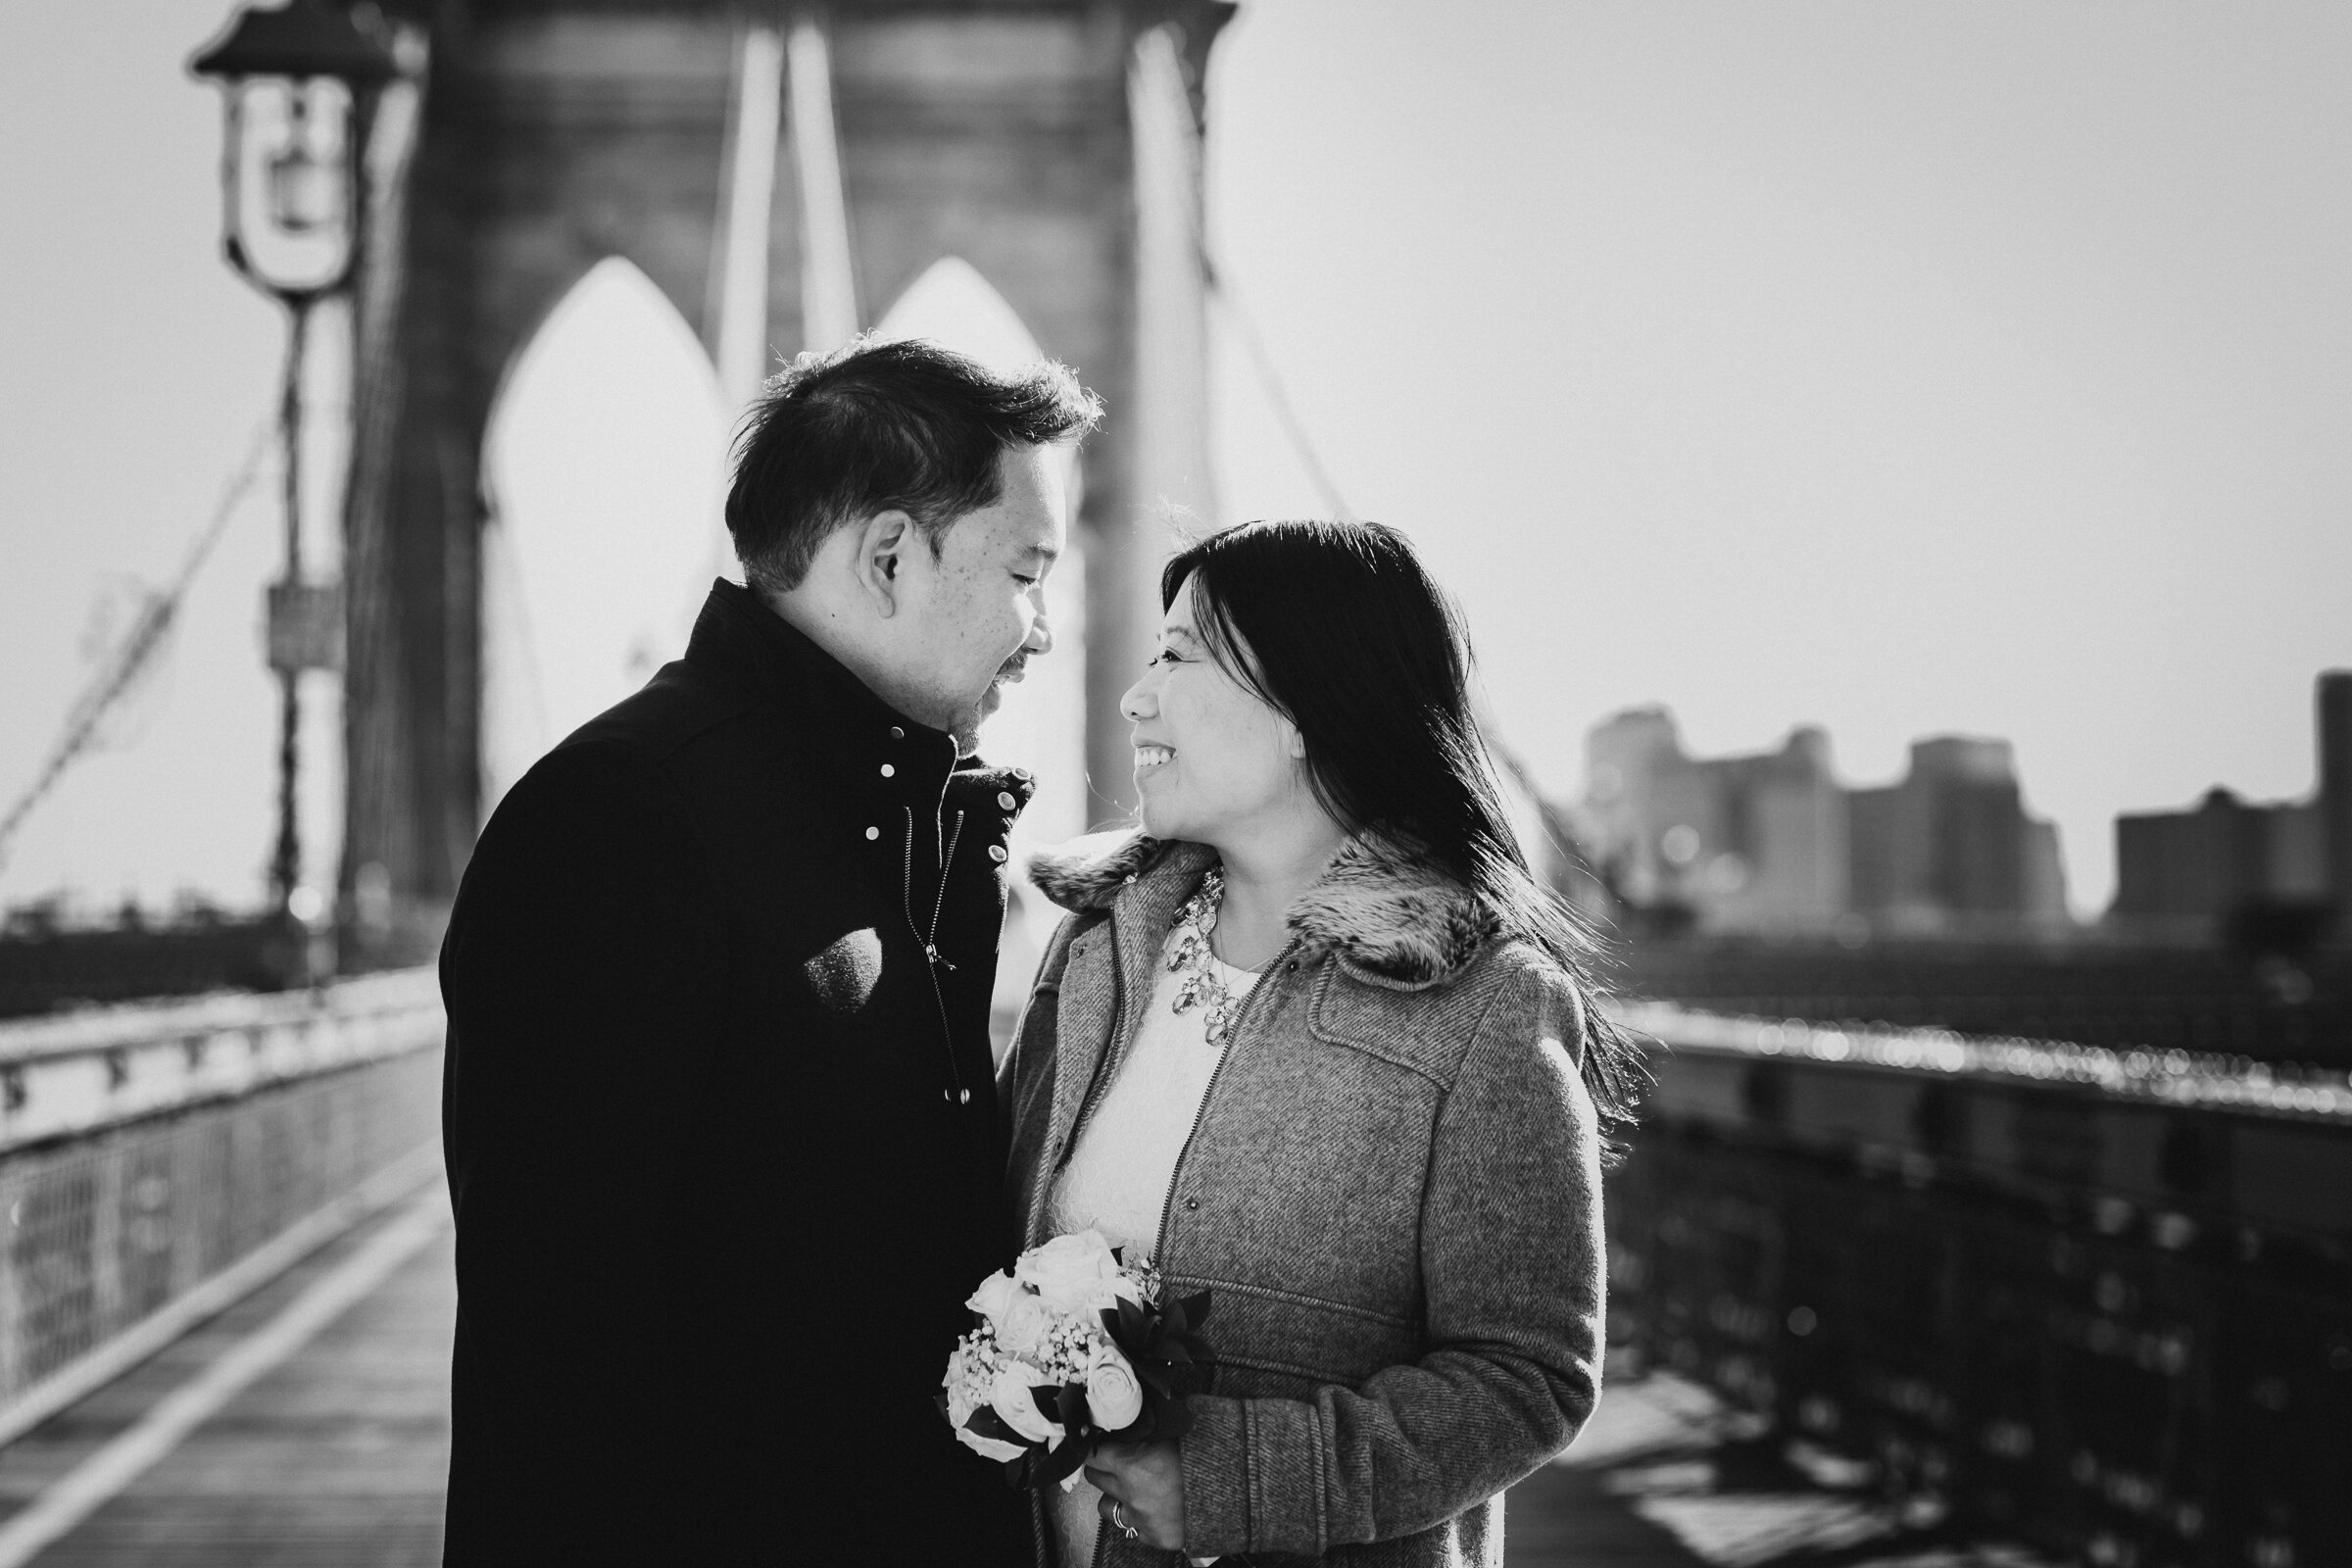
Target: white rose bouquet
<point x="1075" y="1343"/>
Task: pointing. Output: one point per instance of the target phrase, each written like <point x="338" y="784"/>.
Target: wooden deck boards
<point x="336" y="1458"/>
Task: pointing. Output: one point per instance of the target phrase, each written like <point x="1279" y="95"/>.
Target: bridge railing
<point x="2099" y="1301"/>
<point x="157" y="1161"/>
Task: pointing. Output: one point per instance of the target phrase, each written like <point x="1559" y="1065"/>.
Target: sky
<point x="1935" y="368"/>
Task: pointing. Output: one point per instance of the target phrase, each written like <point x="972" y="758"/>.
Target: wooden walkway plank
<point x="337" y="1457"/>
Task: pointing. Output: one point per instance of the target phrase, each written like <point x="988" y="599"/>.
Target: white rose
<point x="1074" y="1273"/>
<point x="964" y="1374"/>
<point x="995" y="1295"/>
<point x="1113" y="1393"/>
<point x="960" y="1407"/>
<point x="988" y="1447"/>
<point x="1026" y="1324"/>
<point x="1009" y="1398"/>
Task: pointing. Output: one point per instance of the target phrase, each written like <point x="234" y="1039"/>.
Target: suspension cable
<point x="1221" y="289"/>
<point x="138" y="646"/>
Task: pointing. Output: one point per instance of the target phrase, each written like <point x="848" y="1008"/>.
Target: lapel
<point x="1104" y="988"/>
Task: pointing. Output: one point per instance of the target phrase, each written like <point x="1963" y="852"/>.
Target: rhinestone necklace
<point x="1191" y="959"/>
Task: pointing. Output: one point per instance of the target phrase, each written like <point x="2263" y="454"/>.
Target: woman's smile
<point x="1151" y="757"/>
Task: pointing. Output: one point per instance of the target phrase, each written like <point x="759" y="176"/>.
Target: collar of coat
<point x="1384" y="910"/>
<point x="872" y="750"/>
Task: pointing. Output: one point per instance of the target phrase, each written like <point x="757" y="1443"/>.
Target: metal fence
<point x="2272" y="1006"/>
<point x="2132" y="1372"/>
<point x="160" y="1161"/>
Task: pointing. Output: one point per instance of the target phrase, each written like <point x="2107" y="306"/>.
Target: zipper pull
<point x="936" y="957"/>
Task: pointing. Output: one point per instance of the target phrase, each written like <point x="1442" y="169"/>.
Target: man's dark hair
<point x="903" y="426"/>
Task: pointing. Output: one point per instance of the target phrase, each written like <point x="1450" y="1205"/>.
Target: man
<point x="718" y="1108"/>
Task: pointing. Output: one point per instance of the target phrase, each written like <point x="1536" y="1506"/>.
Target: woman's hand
<point x="1144" y="1481"/>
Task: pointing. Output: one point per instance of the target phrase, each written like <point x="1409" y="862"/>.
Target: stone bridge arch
<point x="1051" y="144"/>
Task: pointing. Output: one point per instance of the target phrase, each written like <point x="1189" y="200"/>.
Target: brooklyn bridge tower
<point x="785" y="177"/>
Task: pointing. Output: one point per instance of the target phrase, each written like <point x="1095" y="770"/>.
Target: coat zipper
<point x="939" y="906"/>
<point x="933" y="957"/>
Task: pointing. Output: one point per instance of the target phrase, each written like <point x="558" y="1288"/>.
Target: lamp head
<point x="298" y="40"/>
<point x="294" y="77"/>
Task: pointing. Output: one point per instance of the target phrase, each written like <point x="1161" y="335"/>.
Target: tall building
<point x="1951" y="843"/>
<point x="2335" y="704"/>
<point x="2189" y="872"/>
<point x="1774" y="843"/>
<point x="1746" y="842"/>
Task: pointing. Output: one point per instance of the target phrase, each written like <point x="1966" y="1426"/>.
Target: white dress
<point x="1117" y="1178"/>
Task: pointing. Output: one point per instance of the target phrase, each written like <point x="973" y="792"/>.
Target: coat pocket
<point x="1273" y="1342"/>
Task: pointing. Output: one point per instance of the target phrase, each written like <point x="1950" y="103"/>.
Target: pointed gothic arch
<point x="602" y="464"/>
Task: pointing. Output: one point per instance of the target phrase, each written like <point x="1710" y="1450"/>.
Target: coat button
<point x="873" y="833"/>
<point x="996" y="853"/>
<point x="896" y="734"/>
<point x="889" y="771"/>
<point x="1004" y="800"/>
<point x="1191" y="1203"/>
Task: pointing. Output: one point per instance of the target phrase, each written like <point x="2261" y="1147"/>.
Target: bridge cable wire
<point x="1269" y="379"/>
<point x="138" y="646"/>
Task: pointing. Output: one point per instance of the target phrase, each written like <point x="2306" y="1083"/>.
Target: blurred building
<point x="2226" y="859"/>
<point x="1951" y="846"/>
<point x="1774" y="843"/>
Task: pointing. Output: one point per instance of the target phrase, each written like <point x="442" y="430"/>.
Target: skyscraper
<point x="2333" y="700"/>
<point x="2192" y="870"/>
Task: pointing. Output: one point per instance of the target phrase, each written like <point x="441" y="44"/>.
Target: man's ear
<point x="882" y="543"/>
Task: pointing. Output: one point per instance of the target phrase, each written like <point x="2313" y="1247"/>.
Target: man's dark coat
<point x="721" y="1134"/>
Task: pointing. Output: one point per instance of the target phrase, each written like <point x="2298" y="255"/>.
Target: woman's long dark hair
<point x="1337" y="627"/>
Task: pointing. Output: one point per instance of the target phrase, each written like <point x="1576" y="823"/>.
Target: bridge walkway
<point x="332" y="1455"/>
<point x="307" y="1427"/>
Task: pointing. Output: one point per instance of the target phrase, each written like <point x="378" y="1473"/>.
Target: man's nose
<point x="1040" y="636"/>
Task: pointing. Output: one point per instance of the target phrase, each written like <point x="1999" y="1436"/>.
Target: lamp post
<point x="300" y="82"/>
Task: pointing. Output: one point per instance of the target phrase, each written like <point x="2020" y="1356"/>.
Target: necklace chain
<point x="1194" y="962"/>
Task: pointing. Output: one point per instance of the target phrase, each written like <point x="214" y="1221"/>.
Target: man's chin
<point x="966" y="730"/>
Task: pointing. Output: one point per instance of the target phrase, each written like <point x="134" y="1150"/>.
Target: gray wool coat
<point x="1392" y="1193"/>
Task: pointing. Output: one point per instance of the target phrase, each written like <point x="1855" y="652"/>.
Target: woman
<point x="1316" y="1043"/>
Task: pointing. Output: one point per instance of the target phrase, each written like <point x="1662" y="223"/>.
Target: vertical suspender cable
<point x="739" y="336"/>
<point x="828" y="275"/>
<point x="1171" y="323"/>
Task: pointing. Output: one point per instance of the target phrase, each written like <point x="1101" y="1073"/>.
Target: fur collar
<point x="1381" y="907"/>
